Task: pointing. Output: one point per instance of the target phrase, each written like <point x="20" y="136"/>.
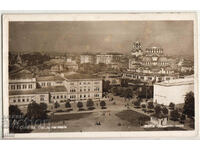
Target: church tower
<point x="19" y="60"/>
<point x="137" y="50"/>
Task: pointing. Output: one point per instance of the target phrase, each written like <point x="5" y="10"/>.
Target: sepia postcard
<point x="85" y="75"/>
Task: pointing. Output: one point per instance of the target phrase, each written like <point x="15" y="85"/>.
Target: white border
<point x="99" y="17"/>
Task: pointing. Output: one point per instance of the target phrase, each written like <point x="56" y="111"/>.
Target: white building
<point x="108" y="58"/>
<point x="173" y="90"/>
<point x="86" y="58"/>
<point x="22" y="84"/>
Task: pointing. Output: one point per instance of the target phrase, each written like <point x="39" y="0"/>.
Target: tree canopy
<point x="189" y="108"/>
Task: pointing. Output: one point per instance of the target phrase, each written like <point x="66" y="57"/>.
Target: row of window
<point x="59" y="96"/>
<point x="85" y="90"/>
<point x="21" y="86"/>
<point x="85" y="83"/>
<point x="142" y="77"/>
<point x="22" y="100"/>
<point x="44" y="84"/>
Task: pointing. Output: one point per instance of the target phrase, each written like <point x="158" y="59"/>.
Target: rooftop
<point x="50" y="78"/>
<point x="80" y="76"/>
<point x="21" y="76"/>
<point x="176" y="82"/>
<point x="40" y="90"/>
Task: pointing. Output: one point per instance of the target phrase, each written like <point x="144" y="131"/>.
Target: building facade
<point x="86" y="58"/>
<point x="51" y="89"/>
<point x="83" y="87"/>
<point x="173" y="91"/>
<point x="108" y="58"/>
<point x="22" y="84"/>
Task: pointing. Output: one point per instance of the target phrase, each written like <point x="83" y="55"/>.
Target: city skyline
<point x="175" y="37"/>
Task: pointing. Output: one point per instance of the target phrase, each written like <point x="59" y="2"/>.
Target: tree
<point x="114" y="91"/>
<point x="182" y="118"/>
<point x="171" y="106"/>
<point x="174" y="115"/>
<point x="157" y="110"/>
<point x="137" y="104"/>
<point x="146" y="92"/>
<point x="165" y="111"/>
<point x="37" y="111"/>
<point x="142" y="120"/>
<point x="124" y="82"/>
<point x="103" y="104"/>
<point x="43" y="106"/>
<point x="56" y="105"/>
<point x="16" y="119"/>
<point x="90" y="104"/>
<point x="106" y="86"/>
<point x="143" y="106"/>
<point x="128" y="93"/>
<point x="67" y="104"/>
<point x="80" y="105"/>
<point x="188" y="108"/>
<point x="150" y="105"/>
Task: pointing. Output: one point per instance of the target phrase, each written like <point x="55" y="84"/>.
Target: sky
<point x="175" y="37"/>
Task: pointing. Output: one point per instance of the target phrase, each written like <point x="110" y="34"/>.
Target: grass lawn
<point x="132" y="117"/>
<point x="70" y="116"/>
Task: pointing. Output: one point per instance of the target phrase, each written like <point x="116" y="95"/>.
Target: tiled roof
<point x="21" y="76"/>
<point x="176" y="82"/>
<point x="80" y="76"/>
<point x="50" y="78"/>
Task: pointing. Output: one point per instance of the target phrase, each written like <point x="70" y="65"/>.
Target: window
<point x="65" y="96"/>
<point x="12" y="87"/>
<point x="14" y="101"/>
<point x="88" y="89"/>
<point x="19" y="100"/>
<point x="80" y="90"/>
<point x="96" y="89"/>
<point x="27" y="100"/>
<point x="96" y="95"/>
<point x="61" y="96"/>
<point x="18" y="86"/>
<point x="58" y="97"/>
<point x="24" y="86"/>
<point x="23" y="100"/>
<point x="72" y="90"/>
<point x="49" y="84"/>
<point x="54" y="97"/>
<point x="72" y="96"/>
<point x="30" y="86"/>
<point x="41" y="98"/>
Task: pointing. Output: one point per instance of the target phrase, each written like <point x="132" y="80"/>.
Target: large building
<point x="83" y="87"/>
<point x="51" y="89"/>
<point x="173" y="90"/>
<point x="150" y="65"/>
<point x="86" y="58"/>
<point x="108" y="58"/>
